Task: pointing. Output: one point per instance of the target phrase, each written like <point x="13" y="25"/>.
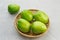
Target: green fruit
<point x="13" y="8"/>
<point x="38" y="27"/>
<point x="26" y="14"/>
<point x="23" y="25"/>
<point x="41" y="16"/>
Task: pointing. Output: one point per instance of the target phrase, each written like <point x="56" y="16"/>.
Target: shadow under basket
<point x="29" y="34"/>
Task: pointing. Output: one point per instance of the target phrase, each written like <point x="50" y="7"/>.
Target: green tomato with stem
<point x="13" y="8"/>
<point x="38" y="27"/>
<point x="41" y="16"/>
<point x="26" y="14"/>
<point x="23" y="25"/>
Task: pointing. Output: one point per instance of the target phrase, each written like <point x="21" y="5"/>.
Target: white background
<point x="51" y="7"/>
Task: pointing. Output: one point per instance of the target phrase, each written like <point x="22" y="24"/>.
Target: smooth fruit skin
<point x="41" y="16"/>
<point x="13" y="8"/>
<point x="26" y="14"/>
<point x="38" y="27"/>
<point x="23" y="25"/>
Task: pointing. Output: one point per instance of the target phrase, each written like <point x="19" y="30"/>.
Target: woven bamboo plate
<point x="30" y="34"/>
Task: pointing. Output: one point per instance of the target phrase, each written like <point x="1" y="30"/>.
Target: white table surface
<point x="51" y="7"/>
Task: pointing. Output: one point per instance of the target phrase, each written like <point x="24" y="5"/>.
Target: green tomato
<point x="23" y="25"/>
<point x="26" y="14"/>
<point x="38" y="27"/>
<point x="13" y="8"/>
<point x="41" y="16"/>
